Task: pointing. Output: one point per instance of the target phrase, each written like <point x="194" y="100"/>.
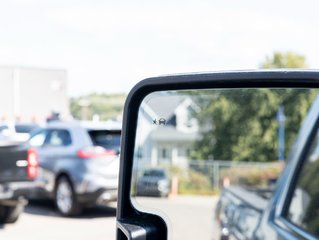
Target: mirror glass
<point x="190" y="145"/>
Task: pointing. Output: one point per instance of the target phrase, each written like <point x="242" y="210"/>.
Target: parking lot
<point x="189" y="216"/>
<point x="41" y="221"/>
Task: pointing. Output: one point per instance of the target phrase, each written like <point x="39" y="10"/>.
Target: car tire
<point x="65" y="198"/>
<point x="10" y="214"/>
<point x="163" y="195"/>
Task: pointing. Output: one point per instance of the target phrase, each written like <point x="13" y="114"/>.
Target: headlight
<point x="162" y="184"/>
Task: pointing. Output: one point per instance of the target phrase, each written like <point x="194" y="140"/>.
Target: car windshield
<point x="154" y="173"/>
<point x="110" y="140"/>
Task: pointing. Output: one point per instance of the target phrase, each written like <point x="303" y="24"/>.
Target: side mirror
<point x="183" y="110"/>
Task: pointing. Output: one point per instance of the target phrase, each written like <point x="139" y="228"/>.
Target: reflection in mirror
<point x="191" y="145"/>
<point x="304" y="202"/>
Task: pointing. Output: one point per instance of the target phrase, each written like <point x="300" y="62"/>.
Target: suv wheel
<point x="65" y="199"/>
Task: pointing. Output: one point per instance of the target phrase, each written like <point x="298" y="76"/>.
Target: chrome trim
<point x="297" y="229"/>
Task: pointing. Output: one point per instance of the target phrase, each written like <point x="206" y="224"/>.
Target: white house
<point x="167" y="130"/>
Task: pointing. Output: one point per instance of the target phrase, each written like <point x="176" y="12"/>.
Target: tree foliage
<point x="241" y="124"/>
<point x="284" y="60"/>
<point x="106" y="106"/>
<point x="244" y="125"/>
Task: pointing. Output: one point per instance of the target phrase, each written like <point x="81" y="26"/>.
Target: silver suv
<point x="78" y="165"/>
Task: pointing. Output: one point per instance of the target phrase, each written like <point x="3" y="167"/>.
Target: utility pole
<point x="281" y="118"/>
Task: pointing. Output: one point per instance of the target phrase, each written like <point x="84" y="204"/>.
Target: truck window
<point x="304" y="206"/>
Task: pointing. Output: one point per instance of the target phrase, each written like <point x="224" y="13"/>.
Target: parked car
<point x="18" y="170"/>
<point x="153" y="182"/>
<point x="20" y="133"/>
<point x="78" y="163"/>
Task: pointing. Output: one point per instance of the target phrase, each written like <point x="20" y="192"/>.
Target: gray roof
<point x="164" y="106"/>
<point x="169" y="133"/>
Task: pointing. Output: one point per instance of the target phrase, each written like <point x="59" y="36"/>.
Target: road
<point x="189" y="218"/>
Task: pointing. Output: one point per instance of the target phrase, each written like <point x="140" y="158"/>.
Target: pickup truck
<point x="293" y="206"/>
<point x="18" y="169"/>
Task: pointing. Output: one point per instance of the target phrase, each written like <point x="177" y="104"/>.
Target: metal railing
<point x="211" y="169"/>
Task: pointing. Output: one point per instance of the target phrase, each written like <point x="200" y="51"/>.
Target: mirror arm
<point x="142" y="229"/>
<point x="131" y="231"/>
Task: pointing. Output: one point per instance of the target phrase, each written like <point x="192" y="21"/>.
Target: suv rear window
<point x="110" y="140"/>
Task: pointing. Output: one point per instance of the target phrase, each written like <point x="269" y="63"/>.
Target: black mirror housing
<point x="133" y="224"/>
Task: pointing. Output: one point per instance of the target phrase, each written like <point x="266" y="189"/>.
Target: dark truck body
<point x="239" y="212"/>
<point x="15" y="183"/>
<point x="292" y="210"/>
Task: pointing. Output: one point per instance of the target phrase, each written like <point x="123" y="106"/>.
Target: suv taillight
<point x="95" y="152"/>
<point x="33" y="163"/>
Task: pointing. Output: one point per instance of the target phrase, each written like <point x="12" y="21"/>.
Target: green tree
<point x="284" y="60"/>
<point x="107" y="106"/>
<point x="241" y="124"/>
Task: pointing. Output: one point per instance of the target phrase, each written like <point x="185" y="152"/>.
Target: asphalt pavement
<point x="189" y="217"/>
<point x="40" y="221"/>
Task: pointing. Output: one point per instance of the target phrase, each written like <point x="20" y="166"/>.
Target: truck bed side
<point x="239" y="211"/>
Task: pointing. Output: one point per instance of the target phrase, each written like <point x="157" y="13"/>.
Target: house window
<point x="188" y="152"/>
<point x="164" y="153"/>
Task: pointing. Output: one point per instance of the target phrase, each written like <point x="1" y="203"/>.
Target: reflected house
<point x="31" y="94"/>
<point x="299" y="203"/>
<point x="168" y="130"/>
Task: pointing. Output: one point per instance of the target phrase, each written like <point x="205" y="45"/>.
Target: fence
<point x="218" y="171"/>
<point x="214" y="174"/>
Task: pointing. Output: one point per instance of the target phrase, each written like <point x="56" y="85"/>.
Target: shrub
<point x="192" y="182"/>
<point x="256" y="176"/>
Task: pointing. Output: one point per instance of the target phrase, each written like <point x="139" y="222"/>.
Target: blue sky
<point x="108" y="46"/>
